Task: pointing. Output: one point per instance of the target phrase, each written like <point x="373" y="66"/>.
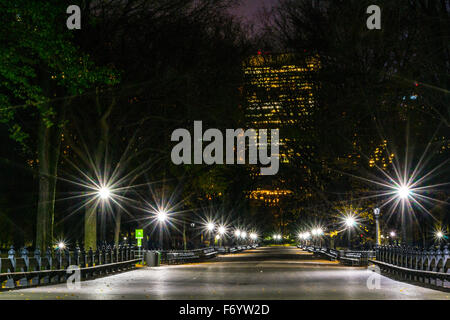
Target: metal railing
<point x="22" y="269"/>
<point x="415" y="264"/>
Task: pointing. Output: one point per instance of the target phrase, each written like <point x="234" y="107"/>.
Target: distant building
<point x="279" y="94"/>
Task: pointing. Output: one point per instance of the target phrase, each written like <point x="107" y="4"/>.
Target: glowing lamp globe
<point x="104" y="193"/>
<point x="350" y="221"/>
<point x="403" y="192"/>
<point x="161" y="216"/>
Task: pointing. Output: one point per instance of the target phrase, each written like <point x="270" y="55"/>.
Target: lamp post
<point x="237" y="234"/>
<point x="319" y="235"/>
<point x="349" y="222"/>
<point x="210" y="226"/>
<point x="376" y="213"/>
<point x="243" y="235"/>
<point x="403" y="192"/>
<point x="104" y="193"/>
<point x="392" y="235"/>
<point x="222" y="230"/>
<point x="439" y="235"/>
<point x="161" y="216"/>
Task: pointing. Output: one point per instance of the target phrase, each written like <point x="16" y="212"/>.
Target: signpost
<point x="139" y="236"/>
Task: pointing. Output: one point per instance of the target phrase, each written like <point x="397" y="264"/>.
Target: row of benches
<point x="178" y="257"/>
<point x="352" y="258"/>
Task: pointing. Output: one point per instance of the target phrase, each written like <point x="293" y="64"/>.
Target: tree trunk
<point x="184" y="236"/>
<point x="90" y="227"/>
<point x="90" y="219"/>
<point x="117" y="229"/>
<point x="49" y="142"/>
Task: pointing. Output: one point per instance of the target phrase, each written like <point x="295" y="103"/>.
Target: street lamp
<point x="210" y="226"/>
<point x="392" y="234"/>
<point x="350" y="222"/>
<point x="439" y="235"/>
<point x="376" y="213"/>
<point x="316" y="232"/>
<point x="161" y="217"/>
<point x="306" y="237"/>
<point x="61" y="245"/>
<point x="403" y="192"/>
<point x="222" y="230"/>
<point x="243" y="235"/>
<point x="104" y="193"/>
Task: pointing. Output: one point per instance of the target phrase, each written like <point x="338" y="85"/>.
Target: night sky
<point x="249" y="8"/>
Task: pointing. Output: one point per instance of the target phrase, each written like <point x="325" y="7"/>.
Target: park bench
<point x="181" y="257"/>
<point x="221" y="250"/>
<point x="354" y="259"/>
<point x="331" y="254"/>
<point x="209" y="253"/>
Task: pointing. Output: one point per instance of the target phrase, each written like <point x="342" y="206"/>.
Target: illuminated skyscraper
<point x="279" y="92"/>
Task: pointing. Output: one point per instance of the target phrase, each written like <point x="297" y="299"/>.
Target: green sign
<point x="139" y="234"/>
<point x="139" y="242"/>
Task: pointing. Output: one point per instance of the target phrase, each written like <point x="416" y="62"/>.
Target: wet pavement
<point x="263" y="273"/>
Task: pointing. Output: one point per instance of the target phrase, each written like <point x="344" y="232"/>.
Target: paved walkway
<point x="263" y="273"/>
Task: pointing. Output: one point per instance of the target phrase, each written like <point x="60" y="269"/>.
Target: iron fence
<point x="431" y="266"/>
<point x="22" y="268"/>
